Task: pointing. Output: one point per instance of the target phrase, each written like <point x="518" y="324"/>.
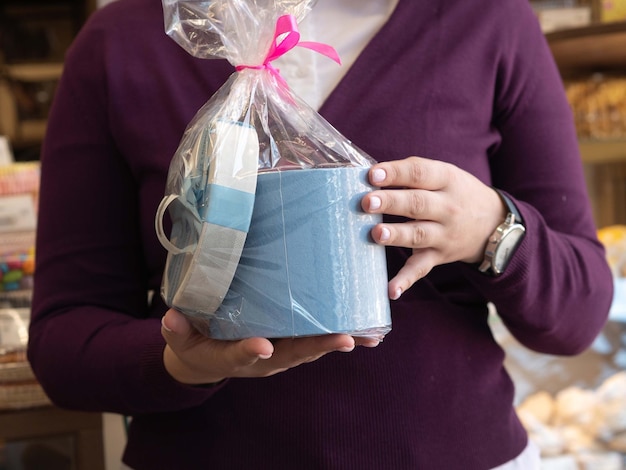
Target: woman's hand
<point x="191" y="358"/>
<point x="452" y="215"/>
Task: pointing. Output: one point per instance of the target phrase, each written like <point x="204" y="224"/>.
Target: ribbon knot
<point x="287" y="30"/>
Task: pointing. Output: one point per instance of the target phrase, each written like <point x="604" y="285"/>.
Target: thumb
<point x="175" y="328"/>
<point x="175" y="322"/>
<point x="192" y="358"/>
<point x="180" y="335"/>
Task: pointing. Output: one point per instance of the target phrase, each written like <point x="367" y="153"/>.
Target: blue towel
<point x="308" y="266"/>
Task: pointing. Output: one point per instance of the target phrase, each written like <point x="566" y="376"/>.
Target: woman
<point x="468" y="91"/>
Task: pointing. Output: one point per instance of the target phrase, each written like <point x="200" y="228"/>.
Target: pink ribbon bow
<point x="288" y="26"/>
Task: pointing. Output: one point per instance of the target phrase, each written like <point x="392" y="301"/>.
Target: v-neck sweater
<point x="469" y="83"/>
<point x="347" y="25"/>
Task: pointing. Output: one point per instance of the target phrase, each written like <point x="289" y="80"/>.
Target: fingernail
<point x="397" y="294"/>
<point x="375" y="203"/>
<point x="378" y="175"/>
<point x="346" y="349"/>
<point x="384" y="234"/>
<point x="264" y="356"/>
<point x="164" y="325"/>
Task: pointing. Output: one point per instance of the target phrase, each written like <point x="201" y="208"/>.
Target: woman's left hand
<point x="452" y="214"/>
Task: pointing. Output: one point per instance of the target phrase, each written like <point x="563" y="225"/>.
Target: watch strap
<point x="511" y="208"/>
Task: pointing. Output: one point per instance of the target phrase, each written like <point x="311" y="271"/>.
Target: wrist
<point x="494" y="214"/>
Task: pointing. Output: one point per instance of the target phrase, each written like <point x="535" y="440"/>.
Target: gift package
<point x="268" y="237"/>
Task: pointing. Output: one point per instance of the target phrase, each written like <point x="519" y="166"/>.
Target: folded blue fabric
<point x="308" y="266"/>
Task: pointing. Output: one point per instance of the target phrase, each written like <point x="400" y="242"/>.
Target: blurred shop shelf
<point x="583" y="51"/>
<point x="603" y="151"/>
<point x="598" y="46"/>
<point x="29" y="431"/>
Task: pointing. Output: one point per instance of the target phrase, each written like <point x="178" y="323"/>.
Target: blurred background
<point x="574" y="408"/>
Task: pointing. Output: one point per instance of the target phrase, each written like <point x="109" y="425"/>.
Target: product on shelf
<point x="17" y="263"/>
<point x="20" y="178"/>
<point x="613" y="10"/>
<point x="19" y="193"/>
<point x="599" y="106"/>
<point x="579" y="428"/>
<point x="18" y="386"/>
<point x="613" y="237"/>
<point x="555" y="19"/>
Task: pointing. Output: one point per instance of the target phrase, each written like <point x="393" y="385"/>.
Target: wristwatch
<point x="504" y="241"/>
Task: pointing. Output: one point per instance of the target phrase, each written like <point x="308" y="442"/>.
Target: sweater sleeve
<point x="556" y="294"/>
<point x="94" y="341"/>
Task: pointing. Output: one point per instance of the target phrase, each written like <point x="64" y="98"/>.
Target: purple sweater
<point x="470" y="83"/>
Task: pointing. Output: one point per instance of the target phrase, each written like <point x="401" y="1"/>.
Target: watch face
<point x="506" y="248"/>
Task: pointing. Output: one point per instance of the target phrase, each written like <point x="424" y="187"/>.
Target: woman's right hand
<point x="191" y="358"/>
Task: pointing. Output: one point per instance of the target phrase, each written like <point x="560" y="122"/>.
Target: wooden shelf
<point x="85" y="430"/>
<point x="599" y="46"/>
<point x="603" y="151"/>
